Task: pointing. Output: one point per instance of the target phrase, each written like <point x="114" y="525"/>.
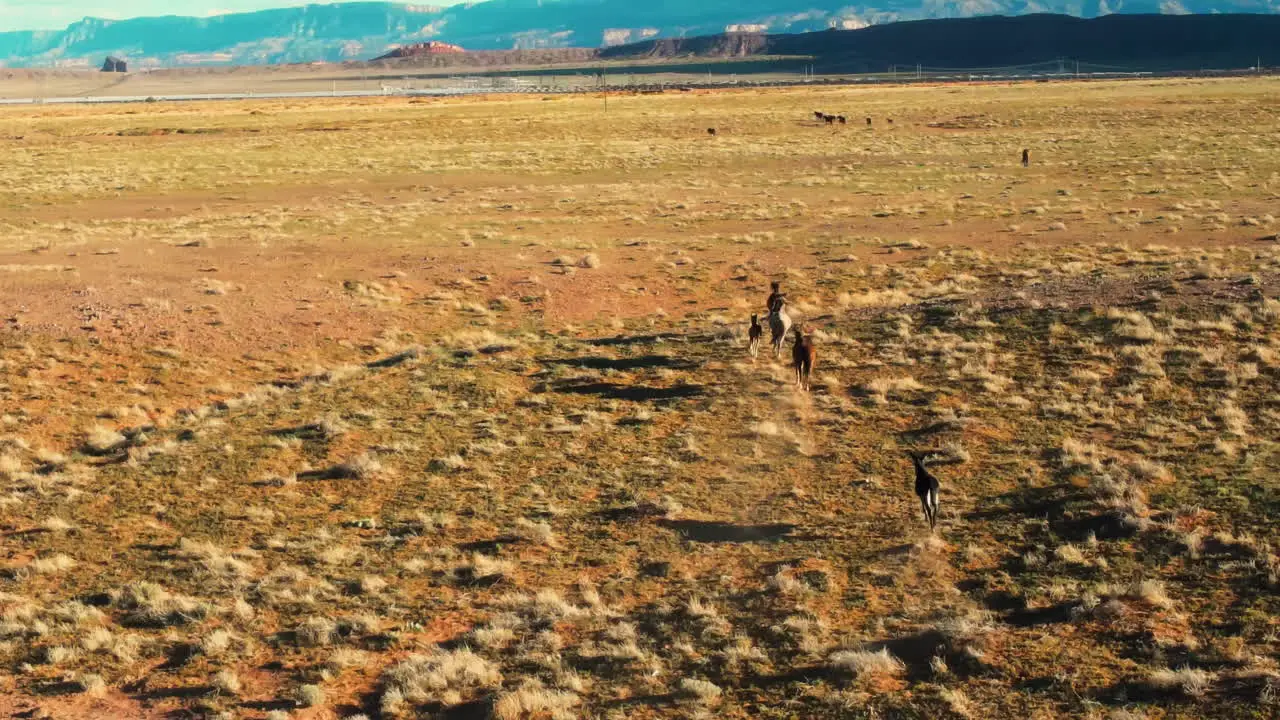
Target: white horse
<point x="779" y="326"/>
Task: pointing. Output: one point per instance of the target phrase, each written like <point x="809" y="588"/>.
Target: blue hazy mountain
<point x="1052" y="42"/>
<point x="358" y="31"/>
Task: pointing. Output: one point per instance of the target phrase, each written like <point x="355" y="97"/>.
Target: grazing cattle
<point x="926" y="489"/>
<point x="840" y="119"/>
<point x="1026" y="158"/>
<point x="779" y="324"/>
<point x="711" y="131"/>
<point x="890" y="121"/>
<point x="817" y="114"/>
<point x="803" y="357"/>
<point x="753" y="336"/>
<point x="828" y="119"/>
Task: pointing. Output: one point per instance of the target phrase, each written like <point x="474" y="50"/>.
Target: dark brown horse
<point x="803" y="357"/>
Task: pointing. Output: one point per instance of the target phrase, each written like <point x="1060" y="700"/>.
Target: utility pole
<point x="917" y="71"/>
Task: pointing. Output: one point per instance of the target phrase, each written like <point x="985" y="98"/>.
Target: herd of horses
<point x="804" y="356"/>
<point x="832" y="120"/>
<point x="803" y="353"/>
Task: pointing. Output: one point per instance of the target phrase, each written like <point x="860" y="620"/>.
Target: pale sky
<point x="57" y="14"/>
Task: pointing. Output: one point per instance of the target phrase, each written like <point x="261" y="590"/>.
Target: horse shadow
<point x="633" y="393"/>
<point x="707" y="531"/>
<point x="644" y="362"/>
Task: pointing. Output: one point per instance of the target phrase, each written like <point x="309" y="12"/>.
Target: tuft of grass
<point x="444" y="676"/>
<point x="1153" y="593"/>
<point x="213" y="559"/>
<point x="881" y="389"/>
<point x="150" y="605"/>
<point x="216" y="643"/>
<point x="483" y="569"/>
<point x="309" y="695"/>
<point x="532" y="700"/>
<point x="1069" y="554"/>
<point x="51" y="564"/>
<point x="315" y="632"/>
<point x="1192" y="682"/>
<point x="700" y="691"/>
<point x="101" y="440"/>
<point x="91" y="684"/>
<point x="55" y="524"/>
<point x="343" y="658"/>
<point x="448" y="463"/>
<point x="866" y="663"/>
<point x="538" y="533"/>
<point x="958" y="702"/>
<point x="226" y="682"/>
<point x="361" y="467"/>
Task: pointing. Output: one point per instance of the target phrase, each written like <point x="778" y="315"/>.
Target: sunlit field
<point x="444" y="408"/>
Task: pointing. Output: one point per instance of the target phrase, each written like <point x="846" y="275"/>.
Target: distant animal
<point x="779" y="324"/>
<point x="711" y="131"/>
<point x="817" y="114"/>
<point x="926" y="488"/>
<point x="753" y="336"/>
<point x="828" y="119"/>
<point x="890" y="121"/>
<point x="1026" y="158"/>
<point x="868" y="122"/>
<point x="803" y="357"/>
<point x="840" y="119"/>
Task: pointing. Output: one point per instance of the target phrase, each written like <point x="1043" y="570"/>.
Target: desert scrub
<point x="441" y="676"/>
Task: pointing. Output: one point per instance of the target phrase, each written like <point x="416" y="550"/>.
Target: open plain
<point x="443" y="408"/>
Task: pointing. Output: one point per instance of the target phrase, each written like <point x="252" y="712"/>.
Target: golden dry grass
<point x="416" y="408"/>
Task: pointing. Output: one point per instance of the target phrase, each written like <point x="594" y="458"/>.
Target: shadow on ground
<point x="642" y="362"/>
<point x="634" y="393"/>
<point x="722" y="532"/>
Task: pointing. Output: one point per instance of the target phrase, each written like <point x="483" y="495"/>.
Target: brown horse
<point x="803" y="357"/>
<point x="753" y="336"/>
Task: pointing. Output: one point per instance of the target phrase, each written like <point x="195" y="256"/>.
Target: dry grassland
<point x="443" y="409"/>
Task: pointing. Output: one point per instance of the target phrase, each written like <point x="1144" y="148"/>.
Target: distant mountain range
<point x="364" y="30"/>
<point x="1056" y="42"/>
